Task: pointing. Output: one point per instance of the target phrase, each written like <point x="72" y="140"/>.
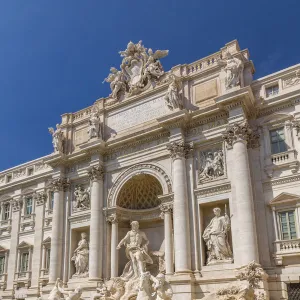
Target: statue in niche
<point x="57" y="138"/>
<point x="216" y="237"/>
<point x="82" y="197"/>
<point x="173" y="98"/>
<point x="211" y="165"/>
<point x="81" y="257"/>
<point x="136" y="252"/>
<point x="233" y="68"/>
<point x="117" y="83"/>
<point x="94" y="130"/>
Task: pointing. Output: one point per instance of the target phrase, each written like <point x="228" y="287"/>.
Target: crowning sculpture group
<point x="140" y="69"/>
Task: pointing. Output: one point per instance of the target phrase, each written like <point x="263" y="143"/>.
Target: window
<point x="277" y="141"/>
<point x="28" y="208"/>
<point x="287" y="225"/>
<point x="47" y="259"/>
<point x="272" y="90"/>
<point x="2" y="264"/>
<point x="6" y="210"/>
<point x="24" y="262"/>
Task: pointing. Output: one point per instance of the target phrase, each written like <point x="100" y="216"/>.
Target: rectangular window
<point x="287" y="225"/>
<point x="272" y="90"/>
<point x="24" y="263"/>
<point x="6" y="211"/>
<point x="28" y="207"/>
<point x="2" y="264"/>
<point x="47" y="262"/>
<point x="277" y="141"/>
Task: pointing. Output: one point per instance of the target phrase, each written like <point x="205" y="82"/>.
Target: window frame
<point x="278" y="141"/>
<point x="286" y="211"/>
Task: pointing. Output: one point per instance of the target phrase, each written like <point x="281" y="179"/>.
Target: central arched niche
<point x="140" y="192"/>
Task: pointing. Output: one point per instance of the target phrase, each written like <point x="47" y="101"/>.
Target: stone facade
<point x="204" y="158"/>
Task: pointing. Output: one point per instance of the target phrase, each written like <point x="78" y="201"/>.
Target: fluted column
<point x="166" y="214"/>
<point x="114" y="259"/>
<point x="238" y="136"/>
<point x="182" y="247"/>
<point x="96" y="227"/>
<point x="58" y="186"/>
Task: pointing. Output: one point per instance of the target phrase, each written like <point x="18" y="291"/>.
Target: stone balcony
<point x="27" y="221"/>
<point x="286" y="248"/>
<point x="22" y="279"/>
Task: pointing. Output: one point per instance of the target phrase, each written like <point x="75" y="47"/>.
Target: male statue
<point x="136" y="252"/>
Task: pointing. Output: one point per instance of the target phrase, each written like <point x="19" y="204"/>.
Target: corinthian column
<point x="166" y="209"/>
<point x="58" y="186"/>
<point x="182" y="247"/>
<point x="114" y="243"/>
<point x="97" y="226"/>
<point x="238" y="136"/>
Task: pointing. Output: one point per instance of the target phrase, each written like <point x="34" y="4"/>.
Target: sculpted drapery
<point x="81" y="256"/>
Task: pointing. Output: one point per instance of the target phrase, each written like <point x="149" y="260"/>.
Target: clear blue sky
<point x="55" y="54"/>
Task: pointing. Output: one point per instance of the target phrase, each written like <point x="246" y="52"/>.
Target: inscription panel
<point x="136" y="115"/>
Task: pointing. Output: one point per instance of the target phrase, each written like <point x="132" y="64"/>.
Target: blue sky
<point x="55" y="54"/>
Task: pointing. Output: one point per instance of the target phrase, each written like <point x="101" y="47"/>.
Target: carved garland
<point x="157" y="169"/>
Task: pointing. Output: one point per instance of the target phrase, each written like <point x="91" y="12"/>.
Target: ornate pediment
<point x="140" y="68"/>
<point x="24" y="245"/>
<point x="284" y="198"/>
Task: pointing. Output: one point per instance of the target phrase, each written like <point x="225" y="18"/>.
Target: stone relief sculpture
<point x="216" y="237"/>
<point x="81" y="257"/>
<point x="293" y="80"/>
<point x="139" y="68"/>
<point x="57" y="138"/>
<point x="82" y="197"/>
<point x="136" y="252"/>
<point x="173" y="98"/>
<point x="233" y="68"/>
<point x="94" y="130"/>
<point x="211" y="165"/>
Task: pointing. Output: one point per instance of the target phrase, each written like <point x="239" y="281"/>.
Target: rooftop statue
<point x="57" y="138"/>
<point x="139" y="68"/>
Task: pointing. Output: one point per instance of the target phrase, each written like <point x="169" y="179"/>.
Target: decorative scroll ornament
<point x="139" y="68"/>
<point x="96" y="173"/>
<point x="166" y="208"/>
<point x="179" y="149"/>
<point x="241" y="131"/>
<point x="233" y="68"/>
<point x="59" y="184"/>
<point x="173" y="97"/>
<point x="57" y="139"/>
<point x="94" y="130"/>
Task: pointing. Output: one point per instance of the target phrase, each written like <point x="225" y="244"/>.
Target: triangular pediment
<point x="24" y="245"/>
<point x="284" y="198"/>
<point x="2" y="249"/>
<point x="47" y="240"/>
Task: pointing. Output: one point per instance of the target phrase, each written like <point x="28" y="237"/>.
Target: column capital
<point x="16" y="203"/>
<point x="180" y="149"/>
<point x="59" y="184"/>
<point x="241" y="132"/>
<point x="166" y="208"/>
<point x="113" y="219"/>
<point x="96" y="173"/>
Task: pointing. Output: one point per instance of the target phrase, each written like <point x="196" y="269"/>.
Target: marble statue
<point x="76" y="295"/>
<point x="81" y="257"/>
<point x="57" y="291"/>
<point x="145" y="287"/>
<point x="117" y="83"/>
<point x="57" y="138"/>
<point x="216" y="237"/>
<point x="173" y="98"/>
<point x="101" y="294"/>
<point x="211" y="165"/>
<point x="162" y="288"/>
<point x="233" y="68"/>
<point x="82" y="197"/>
<point x="94" y="130"/>
<point x="139" y="68"/>
<point x="136" y="252"/>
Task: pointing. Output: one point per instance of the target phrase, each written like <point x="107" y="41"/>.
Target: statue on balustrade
<point x="81" y="257"/>
<point x="136" y="243"/>
<point x="94" y="130"/>
<point x="216" y="237"/>
<point x="173" y="97"/>
<point x="57" y="138"/>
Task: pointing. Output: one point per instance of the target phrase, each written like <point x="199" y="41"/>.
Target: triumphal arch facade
<point x="181" y="184"/>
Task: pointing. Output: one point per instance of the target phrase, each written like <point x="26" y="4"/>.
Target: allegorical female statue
<point x="216" y="237"/>
<point x="81" y="257"/>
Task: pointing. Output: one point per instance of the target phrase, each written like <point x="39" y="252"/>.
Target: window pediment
<point x="284" y="198"/>
<point x="24" y="245"/>
<point x="47" y="240"/>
